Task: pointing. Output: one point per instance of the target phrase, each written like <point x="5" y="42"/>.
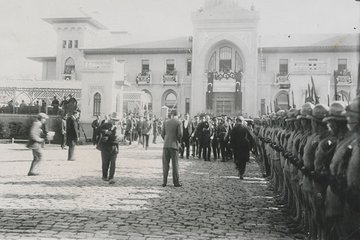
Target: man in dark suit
<point x="172" y="135"/>
<point x="129" y="128"/>
<point x="241" y="142"/>
<point x="95" y="126"/>
<point x="72" y="134"/>
<point x="188" y="129"/>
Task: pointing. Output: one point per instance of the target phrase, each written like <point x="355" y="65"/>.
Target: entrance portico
<point x="224" y="59"/>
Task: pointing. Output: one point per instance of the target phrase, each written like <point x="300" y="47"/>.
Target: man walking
<point x="172" y="134"/>
<point x="95" y="126"/>
<point x="72" y="134"/>
<point x="37" y="138"/>
<point x="241" y="143"/>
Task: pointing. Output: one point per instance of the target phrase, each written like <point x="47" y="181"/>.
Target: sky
<point x="24" y="34"/>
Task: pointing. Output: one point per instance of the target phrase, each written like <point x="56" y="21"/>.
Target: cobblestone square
<point x="69" y="200"/>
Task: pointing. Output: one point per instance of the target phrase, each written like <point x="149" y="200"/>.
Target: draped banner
<point x="238" y="93"/>
<point x="209" y="91"/>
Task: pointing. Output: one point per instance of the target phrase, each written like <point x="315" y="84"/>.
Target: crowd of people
<point x="312" y="155"/>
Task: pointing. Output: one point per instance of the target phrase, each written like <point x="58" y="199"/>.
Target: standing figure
<point x="138" y="128"/>
<point x="188" y="129"/>
<point x="109" y="147"/>
<point x="207" y="135"/>
<point x="215" y="141"/>
<point x="43" y="106"/>
<point x="146" y="130"/>
<point x="63" y="105"/>
<point x="63" y="131"/>
<point x="72" y="134"/>
<point x="95" y="126"/>
<point x="129" y="128"/>
<point x="241" y="142"/>
<point x="55" y="104"/>
<point x="37" y="137"/>
<point x="194" y="140"/>
<point x="172" y="134"/>
<point x="155" y="129"/>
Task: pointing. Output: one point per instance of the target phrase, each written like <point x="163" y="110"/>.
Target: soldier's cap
<point x="292" y="114"/>
<point x="319" y="112"/>
<point x="240" y="119"/>
<point x="306" y="110"/>
<point x="353" y="109"/>
<point x="280" y="114"/>
<point x="336" y="111"/>
<point x="43" y="115"/>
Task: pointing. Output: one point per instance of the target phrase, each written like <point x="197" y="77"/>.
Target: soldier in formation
<point x="312" y="157"/>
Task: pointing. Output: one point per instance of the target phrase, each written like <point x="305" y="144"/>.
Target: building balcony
<point x="343" y="76"/>
<point x="68" y="76"/>
<point x="170" y="79"/>
<point x="143" y="78"/>
<point x="282" y="78"/>
<point x="309" y="67"/>
<point x="224" y="75"/>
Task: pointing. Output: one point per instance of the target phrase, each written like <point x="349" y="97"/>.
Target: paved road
<point x="70" y="201"/>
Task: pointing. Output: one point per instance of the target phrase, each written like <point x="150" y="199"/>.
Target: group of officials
<point x="313" y="157"/>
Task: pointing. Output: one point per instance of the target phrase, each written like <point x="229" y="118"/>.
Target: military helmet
<point x="292" y="114"/>
<point x="353" y="109"/>
<point x="306" y="110"/>
<point x="336" y="111"/>
<point x="319" y="112"/>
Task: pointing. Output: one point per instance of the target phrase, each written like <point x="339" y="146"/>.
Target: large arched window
<point x="69" y="66"/>
<point x="225" y="59"/>
<point x="171" y="100"/>
<point x="97" y="104"/>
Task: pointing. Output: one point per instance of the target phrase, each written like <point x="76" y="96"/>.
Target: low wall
<point x="50" y="123"/>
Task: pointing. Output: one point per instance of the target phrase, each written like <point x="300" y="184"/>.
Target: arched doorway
<point x="170" y="99"/>
<point x="97" y="104"/>
<point x="282" y="101"/>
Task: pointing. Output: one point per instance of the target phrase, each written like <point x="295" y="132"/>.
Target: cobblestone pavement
<point x="70" y="201"/>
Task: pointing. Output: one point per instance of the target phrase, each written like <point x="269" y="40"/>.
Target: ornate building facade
<point x="224" y="68"/>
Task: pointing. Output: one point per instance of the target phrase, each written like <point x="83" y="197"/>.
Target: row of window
<point x="69" y="44"/>
<point x="284" y="65"/>
<point x="170" y="66"/>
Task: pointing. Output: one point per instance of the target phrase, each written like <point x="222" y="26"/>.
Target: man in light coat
<point x="172" y="134"/>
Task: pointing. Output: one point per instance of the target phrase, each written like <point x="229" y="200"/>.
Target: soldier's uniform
<point x="319" y="112"/>
<point x="350" y="224"/>
<point x="337" y="191"/>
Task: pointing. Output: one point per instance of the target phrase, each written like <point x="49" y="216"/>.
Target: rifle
<point x="293" y="105"/>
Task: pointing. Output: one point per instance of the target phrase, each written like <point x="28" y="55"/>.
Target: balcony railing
<point x="143" y="78"/>
<point x="343" y="76"/>
<point x="309" y="67"/>
<point x="170" y="78"/>
<point x="224" y="75"/>
<point x="282" y="78"/>
<point x="68" y="76"/>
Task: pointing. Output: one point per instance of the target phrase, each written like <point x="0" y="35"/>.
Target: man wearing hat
<point x="319" y="132"/>
<point x="109" y="147"/>
<point x="349" y="227"/>
<point x="336" y="123"/>
<point x="37" y="137"/>
<point x="72" y="134"/>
